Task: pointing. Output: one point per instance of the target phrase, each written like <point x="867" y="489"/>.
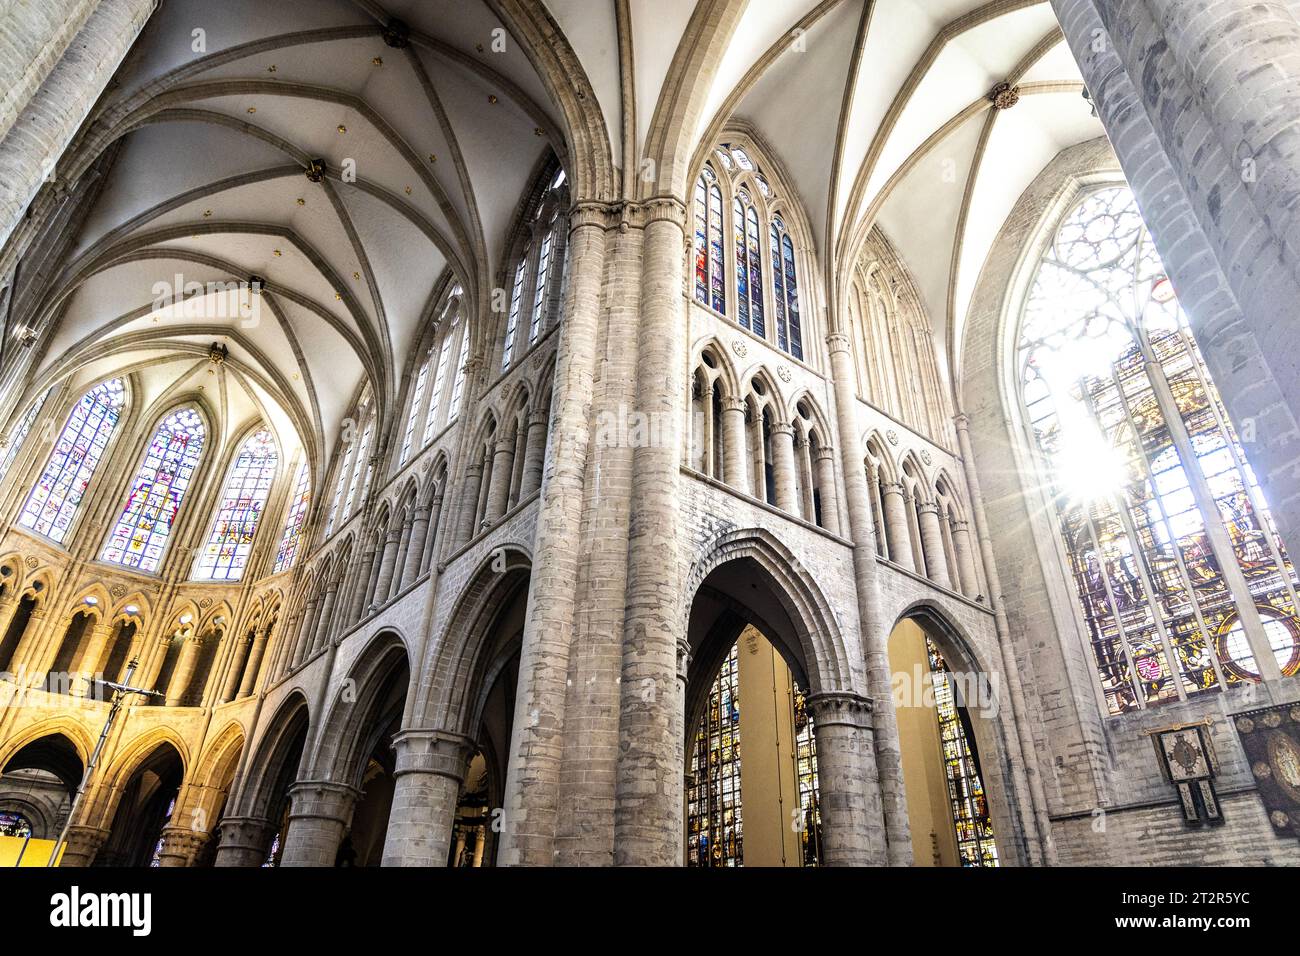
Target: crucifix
<point x="120" y="692"/>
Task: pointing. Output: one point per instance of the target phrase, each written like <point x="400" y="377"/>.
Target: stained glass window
<point x="539" y="292"/>
<point x="805" y="758"/>
<point x="417" y="396"/>
<point x="52" y="504"/>
<point x="785" y="286"/>
<point x="298" y="505"/>
<point x="749" y="264"/>
<point x="18" y="434"/>
<point x="713" y="811"/>
<point x="512" y="319"/>
<point x="242" y="502"/>
<point x="14" y="825"/>
<point x="970" y="806"/>
<point x="710" y="277"/>
<point x="359" y="461"/>
<point x="1181" y="576"/>
<point x="458" y="386"/>
<point x="340" y="483"/>
<point x="139" y="538"/>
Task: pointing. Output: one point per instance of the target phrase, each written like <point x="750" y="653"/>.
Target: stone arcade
<point x="627" y="432"/>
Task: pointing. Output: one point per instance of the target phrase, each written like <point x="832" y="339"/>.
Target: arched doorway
<point x="36" y="788"/>
<point x="452" y="769"/>
<point x="755" y="739"/>
<point x="253" y="831"/>
<point x="145" y="806"/>
<point x="938" y="702"/>
<point x="365" y="760"/>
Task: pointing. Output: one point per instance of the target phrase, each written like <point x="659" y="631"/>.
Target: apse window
<point x="243" y="499"/>
<point x="1184" y="585"/>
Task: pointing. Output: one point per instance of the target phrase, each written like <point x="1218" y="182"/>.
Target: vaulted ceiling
<point x="876" y="110"/>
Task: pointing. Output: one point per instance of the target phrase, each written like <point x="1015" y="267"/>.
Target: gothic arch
<point x="817" y="634"/>
<point x="453" y="693"/>
<point x="351" y="726"/>
<point x="273" y="761"/>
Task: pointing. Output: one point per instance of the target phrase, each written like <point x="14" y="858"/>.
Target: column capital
<point x="892" y="488"/>
<point x="733" y="404"/>
<point x="503" y="446"/>
<point x="321" y="800"/>
<point x="783" y="428"/>
<point x="840" y="707"/>
<point x="431" y="751"/>
<point x="928" y="508"/>
<point x="837" y="342"/>
<point x="825" y="453"/>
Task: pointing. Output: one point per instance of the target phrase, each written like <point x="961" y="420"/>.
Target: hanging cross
<point x="120" y="692"/>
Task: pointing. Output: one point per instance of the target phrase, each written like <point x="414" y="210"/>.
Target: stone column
<point x="875" y="632"/>
<point x="707" y="444"/>
<point x="431" y="767"/>
<point x="787" y="496"/>
<point x="28" y="644"/>
<point x="258" y="648"/>
<point x="736" y="467"/>
<point x="181" y="845"/>
<point x="936" y="561"/>
<point x="245" y="841"/>
<point x="386" y="565"/>
<point x="414" y="560"/>
<point x="302" y="646"/>
<point x="536" y="741"/>
<point x="83" y="845"/>
<point x="648" y="824"/>
<point x="234" y="677"/>
<point x="53" y="112"/>
<point x="1199" y="99"/>
<point x="92" y="651"/>
<point x="403" y="558"/>
<point x="804" y="470"/>
<point x="849" y="794"/>
<point x="961" y="543"/>
<point x="826" y="485"/>
<point x="319" y="817"/>
<point x="469" y="502"/>
<point x="325" y="622"/>
<point x="431" y="535"/>
<point x="1022" y="751"/>
<point x="503" y="463"/>
<point x="534" y="455"/>
<point x="900" y="532"/>
<point x="184" y="670"/>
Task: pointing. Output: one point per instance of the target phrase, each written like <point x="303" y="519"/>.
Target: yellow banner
<point x="17" y="851"/>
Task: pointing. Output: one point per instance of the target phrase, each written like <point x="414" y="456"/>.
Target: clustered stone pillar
<point x="414" y="557"/>
<point x="875" y="634"/>
<point x="319" y="816"/>
<point x="536" y="745"/>
<point x="387" y="565"/>
<point x="430" y="770"/>
<point x="852" y="834"/>
<point x="648" y="822"/>
<point x="534" y="455"/>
